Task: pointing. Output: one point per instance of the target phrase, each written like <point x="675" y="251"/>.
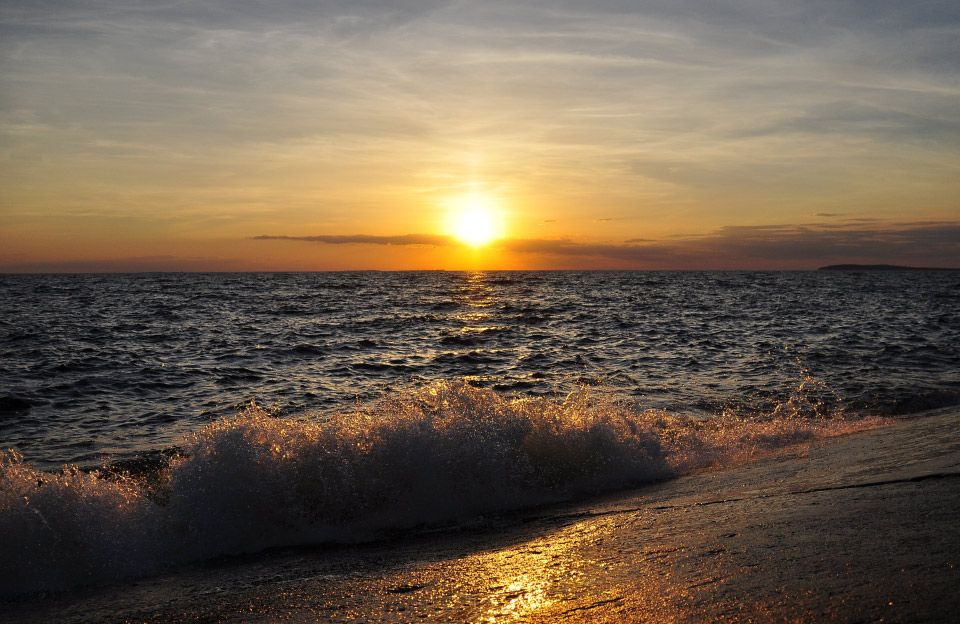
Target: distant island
<point x="880" y="267"/>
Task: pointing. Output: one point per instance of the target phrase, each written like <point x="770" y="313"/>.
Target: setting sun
<point x="474" y="220"/>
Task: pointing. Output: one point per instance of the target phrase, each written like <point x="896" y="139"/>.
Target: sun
<point x="474" y="220"/>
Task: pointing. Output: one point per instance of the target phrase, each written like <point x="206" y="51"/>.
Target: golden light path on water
<point x="479" y="298"/>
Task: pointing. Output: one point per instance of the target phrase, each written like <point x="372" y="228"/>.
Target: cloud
<point x="761" y="246"/>
<point x="130" y="264"/>
<point x="779" y="246"/>
<point x="939" y="244"/>
<point x="559" y="78"/>
<point x="367" y="239"/>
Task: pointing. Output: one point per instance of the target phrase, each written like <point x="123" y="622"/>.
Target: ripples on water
<point x="116" y="364"/>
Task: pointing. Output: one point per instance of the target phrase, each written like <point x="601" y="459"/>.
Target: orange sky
<point x="685" y="134"/>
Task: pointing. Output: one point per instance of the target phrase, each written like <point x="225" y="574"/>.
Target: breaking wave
<point x="434" y="455"/>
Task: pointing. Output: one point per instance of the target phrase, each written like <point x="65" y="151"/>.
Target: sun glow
<point x="474" y="220"/>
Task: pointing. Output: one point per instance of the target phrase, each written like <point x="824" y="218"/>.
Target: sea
<point x="152" y="420"/>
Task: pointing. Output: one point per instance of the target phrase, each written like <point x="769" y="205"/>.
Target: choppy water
<point x="377" y="417"/>
<point x="113" y="365"/>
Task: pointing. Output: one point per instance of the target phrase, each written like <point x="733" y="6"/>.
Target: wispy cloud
<point x="126" y="264"/>
<point x="697" y="93"/>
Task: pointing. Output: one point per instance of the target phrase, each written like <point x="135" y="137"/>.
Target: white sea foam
<point x="442" y="453"/>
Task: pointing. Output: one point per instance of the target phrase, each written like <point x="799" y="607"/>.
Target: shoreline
<point x="859" y="527"/>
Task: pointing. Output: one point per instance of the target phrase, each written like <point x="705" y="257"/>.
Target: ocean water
<point x="211" y="414"/>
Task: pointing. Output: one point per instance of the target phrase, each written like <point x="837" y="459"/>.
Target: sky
<point x="142" y="135"/>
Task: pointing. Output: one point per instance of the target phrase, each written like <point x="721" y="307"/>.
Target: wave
<point x="432" y="455"/>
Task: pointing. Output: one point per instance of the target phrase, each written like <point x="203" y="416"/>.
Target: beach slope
<point x="860" y="528"/>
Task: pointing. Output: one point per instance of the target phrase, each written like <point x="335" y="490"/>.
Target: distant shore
<point x="881" y="267"/>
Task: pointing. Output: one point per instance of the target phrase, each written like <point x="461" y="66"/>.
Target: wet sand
<point x="860" y="528"/>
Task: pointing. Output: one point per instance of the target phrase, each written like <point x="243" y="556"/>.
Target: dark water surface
<point x="113" y="365"/>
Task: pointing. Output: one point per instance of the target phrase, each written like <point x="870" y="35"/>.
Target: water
<point x="116" y="364"/>
<point x="381" y="401"/>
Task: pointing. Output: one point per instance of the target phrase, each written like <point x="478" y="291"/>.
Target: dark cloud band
<point x="366" y="239"/>
<point x="735" y="246"/>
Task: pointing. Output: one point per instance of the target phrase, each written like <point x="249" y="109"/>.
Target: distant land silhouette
<point x="880" y="267"/>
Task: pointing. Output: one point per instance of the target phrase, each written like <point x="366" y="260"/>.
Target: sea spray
<point x="437" y="454"/>
<point x="71" y="528"/>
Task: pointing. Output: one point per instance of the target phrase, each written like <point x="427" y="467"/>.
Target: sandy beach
<point x="861" y="528"/>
